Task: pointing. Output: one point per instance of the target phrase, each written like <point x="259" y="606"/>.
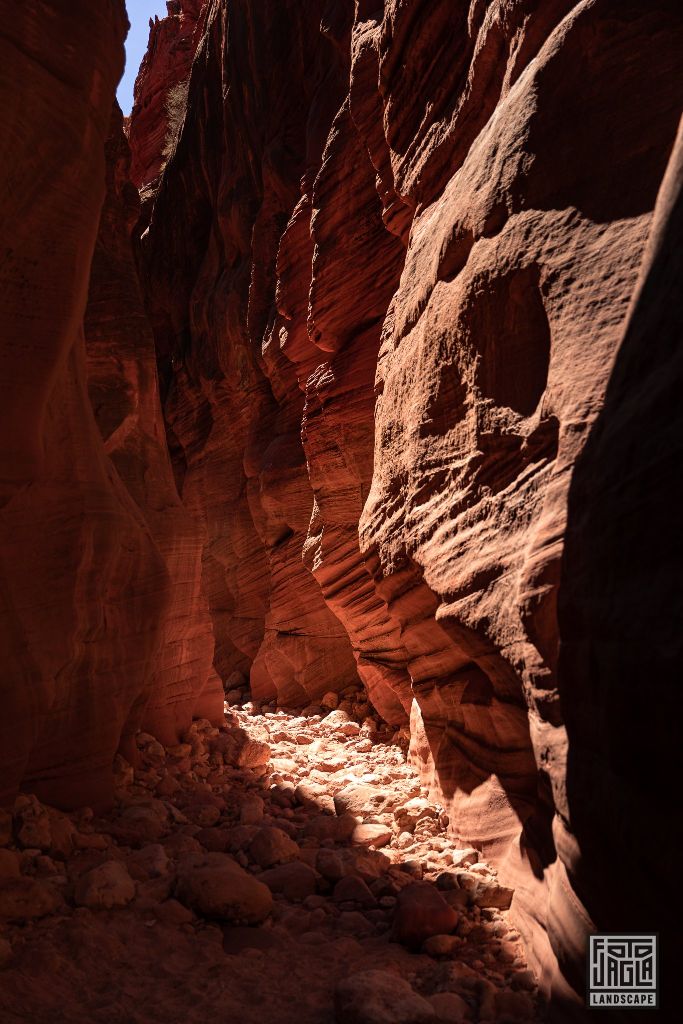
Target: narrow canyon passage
<point x="340" y="407"/>
<point x="274" y="869"/>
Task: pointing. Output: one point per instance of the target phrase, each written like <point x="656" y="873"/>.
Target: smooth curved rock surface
<point x="232" y="403"/>
<point x="82" y="582"/>
<point x="621" y="632"/>
<point x="104" y="620"/>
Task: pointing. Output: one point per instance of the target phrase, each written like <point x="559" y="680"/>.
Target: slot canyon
<point x="340" y="418"/>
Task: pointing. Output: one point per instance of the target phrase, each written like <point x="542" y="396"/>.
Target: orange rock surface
<point x="104" y="622"/>
<point x="396" y="408"/>
<point x="438" y="232"/>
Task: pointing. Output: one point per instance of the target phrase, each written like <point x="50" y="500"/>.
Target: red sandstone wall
<point x="621" y="637"/>
<point x="171" y="48"/>
<point x="83" y="585"/>
<point x="103" y="617"/>
<point x="430" y="217"/>
<point x="232" y="402"/>
<point x="389" y="269"/>
<point x="123" y="389"/>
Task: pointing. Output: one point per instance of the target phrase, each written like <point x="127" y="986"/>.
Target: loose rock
<point x="104" y="887"/>
<point x="421" y="912"/>
<point x="378" y="997"/>
<point x="216" y="886"/>
<point x="24" y="899"/>
<point x="272" y="846"/>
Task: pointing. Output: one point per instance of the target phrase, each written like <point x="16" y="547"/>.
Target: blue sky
<point x="139" y="13"/>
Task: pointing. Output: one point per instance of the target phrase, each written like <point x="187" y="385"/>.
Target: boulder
<point x="10" y="864"/>
<point x="352" y="889"/>
<point x="104" y="887"/>
<point x="362" y="799"/>
<point x="421" y="911"/>
<point x="441" y="945"/>
<point x="450" y="1008"/>
<point x="24" y="899"/>
<point x="491" y="894"/>
<point x="271" y="846"/>
<point x="32" y="823"/>
<point x="371" y="835"/>
<point x="5" y="827"/>
<point x="6" y="953"/>
<point x="240" y="750"/>
<point x="150" y="861"/>
<point x="215" y="886"/>
<point x="295" y="881"/>
<point x="378" y="997"/>
<point x="251" y="809"/>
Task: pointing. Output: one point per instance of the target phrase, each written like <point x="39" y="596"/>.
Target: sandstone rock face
<point x="395" y="254"/>
<point x="232" y="402"/>
<point x="104" y="622"/>
<point x="386" y="308"/>
<point x="510" y="309"/>
<point x="165" y="67"/>
<point x="82" y="581"/>
<point x="123" y="389"/>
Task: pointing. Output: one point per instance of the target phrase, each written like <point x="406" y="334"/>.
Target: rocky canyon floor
<point x="283" y="867"/>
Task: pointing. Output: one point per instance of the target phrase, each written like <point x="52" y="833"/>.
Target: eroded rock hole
<point x="511" y="327"/>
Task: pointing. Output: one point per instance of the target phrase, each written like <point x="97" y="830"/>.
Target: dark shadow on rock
<point x="620" y="610"/>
